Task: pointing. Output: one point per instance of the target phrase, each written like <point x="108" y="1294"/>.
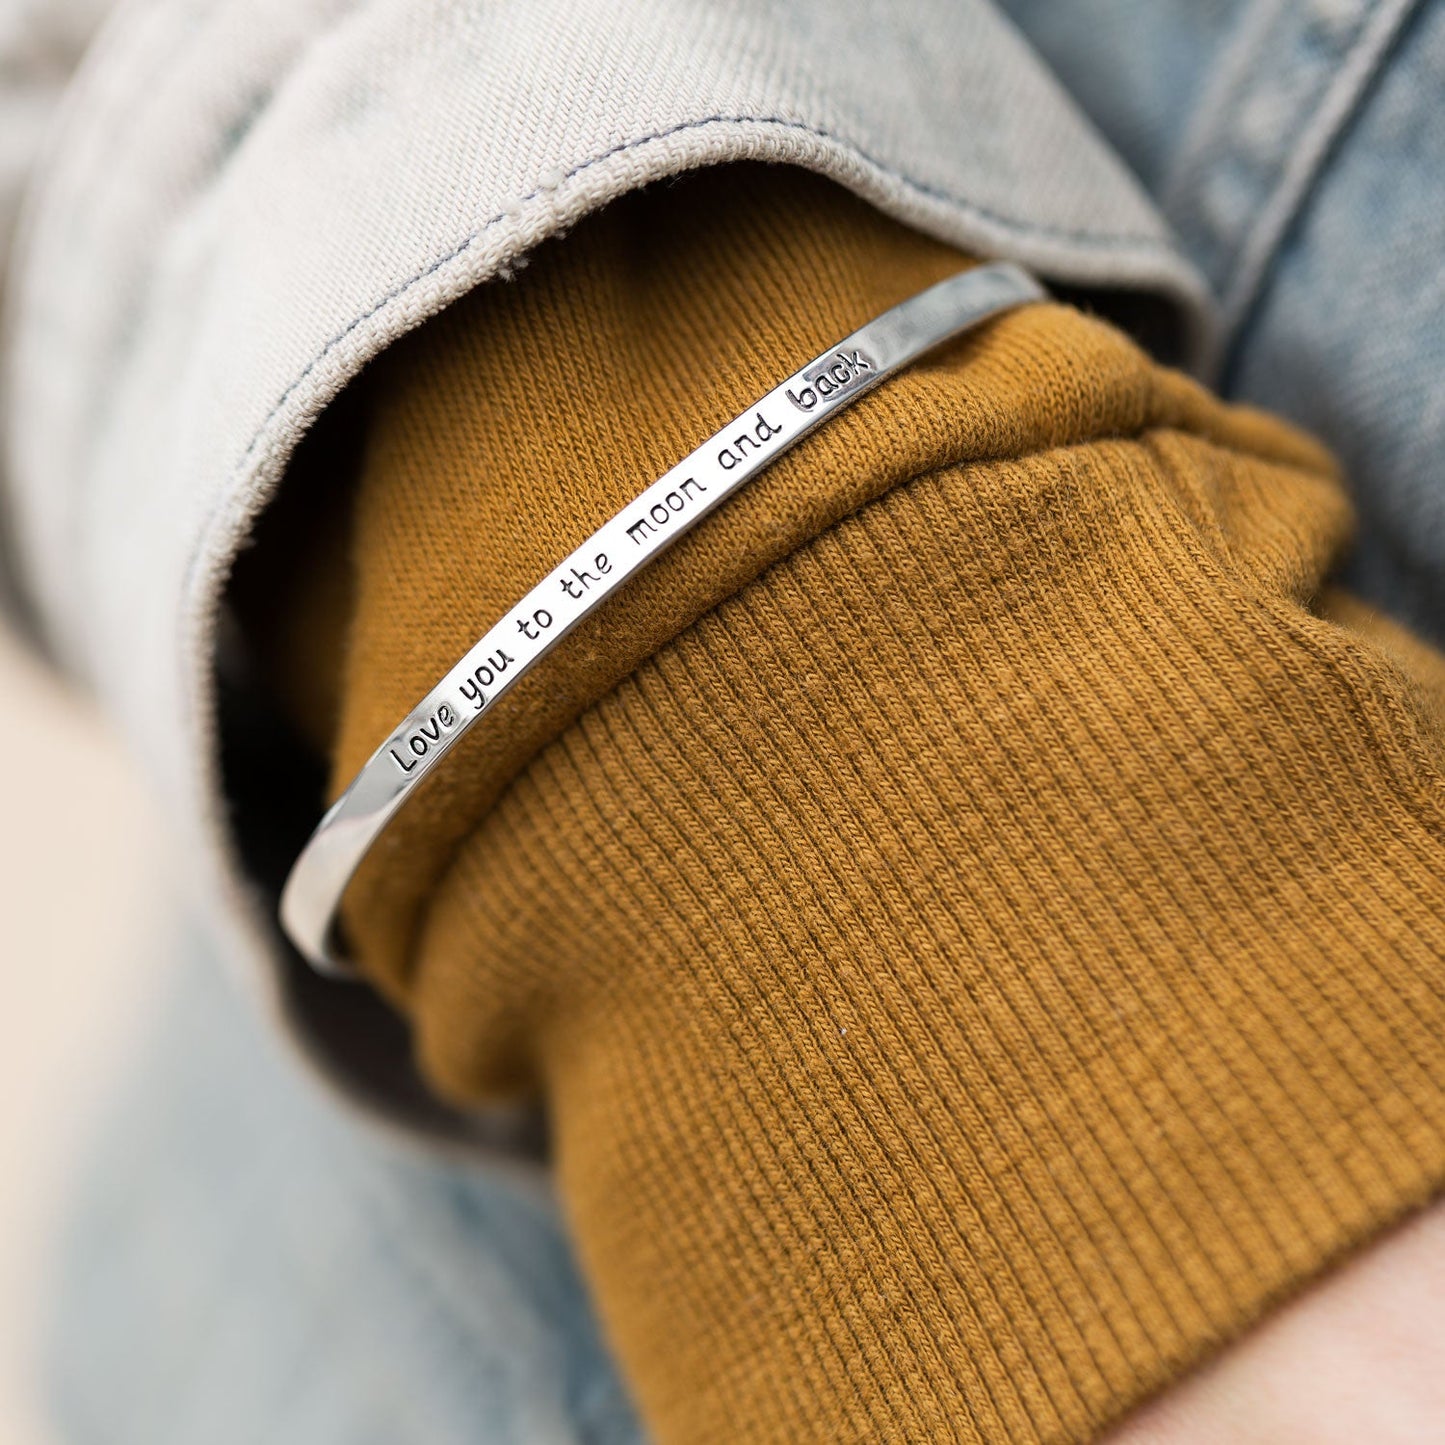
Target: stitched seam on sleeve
<point x="1106" y="241"/>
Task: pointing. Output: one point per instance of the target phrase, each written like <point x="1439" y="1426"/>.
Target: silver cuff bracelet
<point x="618" y="550"/>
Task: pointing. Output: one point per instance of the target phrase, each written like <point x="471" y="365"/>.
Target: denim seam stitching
<point x="1106" y="241"/>
<point x="1286" y="185"/>
<point x="1330" y="118"/>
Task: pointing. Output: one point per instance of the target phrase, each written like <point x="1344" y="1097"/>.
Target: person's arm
<point x="975" y="924"/>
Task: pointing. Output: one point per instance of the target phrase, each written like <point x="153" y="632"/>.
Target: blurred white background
<point x="82" y="890"/>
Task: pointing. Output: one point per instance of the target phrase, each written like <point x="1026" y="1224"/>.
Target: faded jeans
<point x="249" y="1263"/>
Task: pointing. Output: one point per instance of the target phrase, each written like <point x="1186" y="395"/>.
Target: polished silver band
<point x="619" y="549"/>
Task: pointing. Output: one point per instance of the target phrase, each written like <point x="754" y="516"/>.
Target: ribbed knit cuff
<point x="979" y="952"/>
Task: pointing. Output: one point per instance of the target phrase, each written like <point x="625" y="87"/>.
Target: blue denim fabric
<point x="1296" y="147"/>
<point x="248" y="1264"/>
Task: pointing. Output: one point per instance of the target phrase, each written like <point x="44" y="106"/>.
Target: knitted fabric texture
<point x="973" y="908"/>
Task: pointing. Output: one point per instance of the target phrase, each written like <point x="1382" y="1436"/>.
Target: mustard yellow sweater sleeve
<point x="975" y="920"/>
